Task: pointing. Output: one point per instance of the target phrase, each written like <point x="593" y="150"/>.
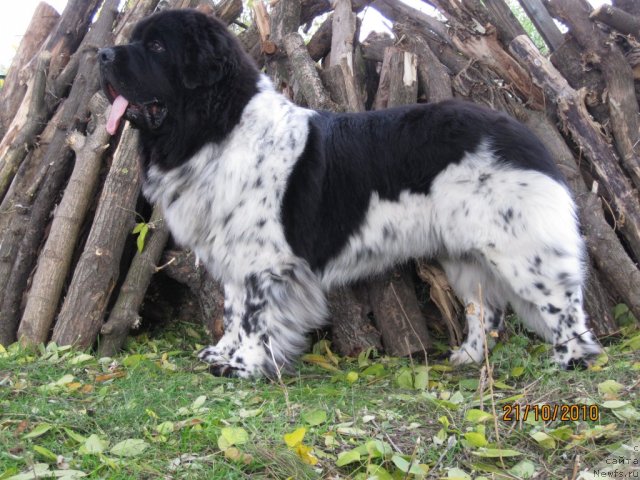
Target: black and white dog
<point x="282" y="203"/>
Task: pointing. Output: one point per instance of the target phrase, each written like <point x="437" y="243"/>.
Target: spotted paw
<point x="465" y="355"/>
<point x="212" y="354"/>
<point x="577" y="353"/>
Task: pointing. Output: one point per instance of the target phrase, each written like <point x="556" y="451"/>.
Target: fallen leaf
<point x="294" y="438"/>
<point x="230" y="436"/>
<point x="110" y="376"/>
<point x="131" y="447"/>
<point x="315" y="417"/>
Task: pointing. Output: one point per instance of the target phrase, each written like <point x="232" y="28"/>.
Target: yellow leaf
<point x="319" y="360"/>
<point x="294" y="438"/>
<point x="304" y="452"/>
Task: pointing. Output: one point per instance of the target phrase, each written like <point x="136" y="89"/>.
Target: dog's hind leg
<point x="266" y="321"/>
<point x="484" y="306"/>
<point x="547" y="295"/>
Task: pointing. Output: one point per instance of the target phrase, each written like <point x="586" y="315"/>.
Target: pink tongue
<point x="117" y="111"/>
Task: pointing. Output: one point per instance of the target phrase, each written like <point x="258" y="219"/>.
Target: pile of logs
<point x="70" y="270"/>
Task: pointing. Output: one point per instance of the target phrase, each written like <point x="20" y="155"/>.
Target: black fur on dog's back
<point x="384" y="156"/>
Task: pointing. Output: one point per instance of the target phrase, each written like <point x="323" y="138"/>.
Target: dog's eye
<point x="155" y="46"/>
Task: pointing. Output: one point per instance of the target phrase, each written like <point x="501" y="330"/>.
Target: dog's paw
<point x="466" y="355"/>
<point x="578" y="353"/>
<point x="233" y="362"/>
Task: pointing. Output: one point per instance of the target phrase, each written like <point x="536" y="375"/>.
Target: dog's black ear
<point x="209" y="54"/>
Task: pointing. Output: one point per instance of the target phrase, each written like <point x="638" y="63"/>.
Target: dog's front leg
<point x="266" y="321"/>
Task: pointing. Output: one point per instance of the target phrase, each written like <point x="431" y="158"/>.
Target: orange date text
<point x="549" y="412"/>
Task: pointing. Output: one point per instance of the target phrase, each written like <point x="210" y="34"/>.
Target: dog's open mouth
<point x="151" y="114"/>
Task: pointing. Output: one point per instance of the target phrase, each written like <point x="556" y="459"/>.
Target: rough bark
<point x="398" y="79"/>
<point x="319" y="44"/>
<point x="70" y="31"/>
<point x="56" y="165"/>
<point x="55" y="258"/>
<point x="398" y="316"/>
<point x="181" y="266"/>
<point x="498" y="14"/>
<point x="623" y="104"/>
<point x="442" y="295"/>
<point x="285" y="18"/>
<point x="27" y="136"/>
<point x="352" y="330"/>
<point x="341" y="70"/>
<point x="306" y="76"/>
<point x="587" y="136"/>
<point x="228" y="10"/>
<point x="343" y="33"/>
<point x="124" y="314"/>
<point x="570" y="61"/>
<point x="98" y="268"/>
<point x="14" y="217"/>
<point x="543" y="22"/>
<point x="629" y="6"/>
<point x="398" y="11"/>
<point x="434" y="79"/>
<point x="14" y="89"/>
<point x="618" y="19"/>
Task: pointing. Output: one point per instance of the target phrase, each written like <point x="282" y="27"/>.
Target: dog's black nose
<point x="106" y="55"/>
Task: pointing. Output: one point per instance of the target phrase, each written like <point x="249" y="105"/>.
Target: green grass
<point x="354" y="418"/>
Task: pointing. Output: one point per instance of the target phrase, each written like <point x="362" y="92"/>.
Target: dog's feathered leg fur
<point x="266" y="320"/>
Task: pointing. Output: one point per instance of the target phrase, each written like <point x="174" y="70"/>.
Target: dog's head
<point x="183" y="80"/>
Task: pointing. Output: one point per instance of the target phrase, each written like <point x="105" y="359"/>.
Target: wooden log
<point x="97" y="270"/>
<point x="306" y="75"/>
<point x="319" y="44"/>
<point x="398" y="79"/>
<point x="132" y="15"/>
<point x="27" y="136"/>
<point x="374" y="45"/>
<point x="16" y="208"/>
<point x="284" y="19"/>
<point x="43" y="20"/>
<point x="543" y="22"/>
<point x="623" y="104"/>
<point x="68" y="34"/>
<point x="587" y="136"/>
<point x="343" y="33"/>
<point x="498" y="14"/>
<point x="61" y="42"/>
<point x="124" y="314"/>
<point x="228" y="10"/>
<point x="55" y="258"/>
<point x="487" y="50"/>
<point x="341" y="70"/>
<point x="629" y="6"/>
<point x="56" y="167"/>
<point x="398" y="11"/>
<point x="618" y="19"/>
<point x="181" y="266"/>
<point x="397" y="314"/>
<point x="433" y="76"/>
<point x="568" y="58"/>
<point x="444" y="298"/>
<point x="352" y="330"/>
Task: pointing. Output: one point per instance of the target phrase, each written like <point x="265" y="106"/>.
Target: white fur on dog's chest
<point x="225" y="202"/>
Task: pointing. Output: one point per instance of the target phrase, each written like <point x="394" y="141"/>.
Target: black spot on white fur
<point x="282" y="203"/>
